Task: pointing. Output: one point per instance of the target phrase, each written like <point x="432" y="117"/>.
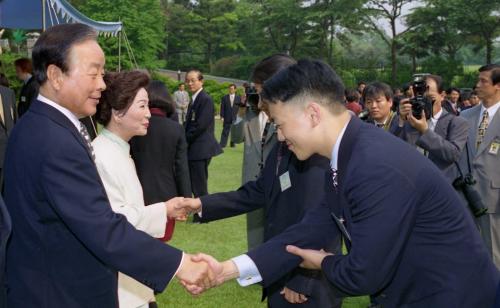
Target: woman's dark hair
<point x="269" y="66"/>
<point x="160" y="98"/>
<point x="121" y="89"/>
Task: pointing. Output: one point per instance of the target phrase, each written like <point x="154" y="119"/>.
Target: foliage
<point x="144" y="25"/>
<point x="9" y="70"/>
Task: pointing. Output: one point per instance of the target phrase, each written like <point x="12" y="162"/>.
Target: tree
<point x="390" y="10"/>
<point x="144" y="25"/>
<point x="479" y="20"/>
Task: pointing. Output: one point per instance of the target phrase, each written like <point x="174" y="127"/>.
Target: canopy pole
<point x="120" y="51"/>
<point x="43" y="15"/>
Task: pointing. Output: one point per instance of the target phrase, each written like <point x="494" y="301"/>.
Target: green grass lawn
<point x="223" y="239"/>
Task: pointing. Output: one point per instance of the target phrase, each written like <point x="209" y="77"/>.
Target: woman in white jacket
<point x="124" y="112"/>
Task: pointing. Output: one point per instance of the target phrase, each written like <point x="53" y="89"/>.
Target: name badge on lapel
<point x="193" y="116"/>
<point x="285" y="182"/>
<point x="494" y="147"/>
<point x="23" y="99"/>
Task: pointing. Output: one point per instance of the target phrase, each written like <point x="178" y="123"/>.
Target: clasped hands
<point x="179" y="208"/>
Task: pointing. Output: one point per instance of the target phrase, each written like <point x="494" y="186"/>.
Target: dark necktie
<point x="85" y="134"/>
<point x="263" y="142"/>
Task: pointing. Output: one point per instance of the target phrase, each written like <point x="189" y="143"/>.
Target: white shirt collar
<point x="335" y="151"/>
<point x="491" y="111"/>
<point x="196" y="94"/>
<point x="61" y="109"/>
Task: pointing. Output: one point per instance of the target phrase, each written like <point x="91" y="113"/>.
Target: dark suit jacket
<point x="67" y="244"/>
<point x="161" y="160"/>
<point x="28" y="93"/>
<point x="282" y="208"/>
<point x="200" y="129"/>
<point x="9" y="111"/>
<point x="413" y="242"/>
<point x="5" y="229"/>
<point x="226" y="111"/>
<point x="444" y="145"/>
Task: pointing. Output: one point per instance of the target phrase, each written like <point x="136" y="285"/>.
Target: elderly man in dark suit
<point x="483" y="156"/>
<point x="441" y="136"/>
<point x="199" y="126"/>
<point x="67" y="244"/>
<point x="7" y="119"/>
<point x="411" y="242"/>
<point x="229" y="106"/>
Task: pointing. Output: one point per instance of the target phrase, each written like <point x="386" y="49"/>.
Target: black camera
<point x="466" y="185"/>
<point x="253" y="98"/>
<point x="420" y="102"/>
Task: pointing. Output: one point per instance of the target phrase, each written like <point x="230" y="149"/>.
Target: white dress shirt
<point x="491" y="112"/>
<point x="117" y="171"/>
<point x="195" y="95"/>
<point x="68" y="114"/>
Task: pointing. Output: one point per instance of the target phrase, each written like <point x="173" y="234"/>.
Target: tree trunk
<point x="489" y="50"/>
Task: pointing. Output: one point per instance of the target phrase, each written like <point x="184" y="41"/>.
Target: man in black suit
<point x="29" y="90"/>
<point x="285" y="189"/>
<point x="199" y="126"/>
<point x="410" y="239"/>
<point x="228" y="110"/>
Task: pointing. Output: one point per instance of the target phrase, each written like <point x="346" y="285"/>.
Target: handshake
<point x="201" y="272"/>
<point x="197" y="273"/>
<point x="179" y="208"/>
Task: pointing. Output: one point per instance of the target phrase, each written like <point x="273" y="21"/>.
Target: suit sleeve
<point x="247" y="198"/>
<point x="222" y="107"/>
<point x="181" y="166"/>
<point x="447" y="149"/>
<point x="71" y="184"/>
<point x="204" y="117"/>
<point x="272" y="259"/>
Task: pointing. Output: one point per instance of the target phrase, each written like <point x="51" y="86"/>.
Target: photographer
<point x="438" y="134"/>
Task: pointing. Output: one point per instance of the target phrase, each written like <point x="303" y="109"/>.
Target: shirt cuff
<point x="179" y="267"/>
<point x="249" y="273"/>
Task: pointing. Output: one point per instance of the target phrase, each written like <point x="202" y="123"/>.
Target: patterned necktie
<point x="86" y="137"/>
<point x="481" y="131"/>
<point x="334" y="177"/>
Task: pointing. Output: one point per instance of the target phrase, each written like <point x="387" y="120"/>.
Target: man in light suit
<point x="7" y="119"/>
<point x="441" y="138"/>
<point x="484" y="154"/>
<point x="411" y="242"/>
<point x="228" y="109"/>
<point x="67" y="244"/>
<point x="199" y="126"/>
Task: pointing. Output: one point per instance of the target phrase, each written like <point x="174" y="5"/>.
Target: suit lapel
<point x="491" y="133"/>
<point x="441" y="125"/>
<point x="282" y="166"/>
<point x="473" y="118"/>
<point x="56" y="116"/>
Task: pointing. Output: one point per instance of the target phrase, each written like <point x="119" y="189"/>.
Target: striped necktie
<point x="481" y="131"/>
<point x="86" y="137"/>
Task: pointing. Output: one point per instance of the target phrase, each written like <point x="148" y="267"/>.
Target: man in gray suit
<point x="483" y="156"/>
<point x="441" y="138"/>
<point x="7" y="119"/>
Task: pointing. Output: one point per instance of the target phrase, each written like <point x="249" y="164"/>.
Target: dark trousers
<point x="198" y="170"/>
<point x="226" y="128"/>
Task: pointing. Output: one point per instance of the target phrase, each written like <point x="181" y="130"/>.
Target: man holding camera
<point x="482" y="157"/>
<point x="440" y="135"/>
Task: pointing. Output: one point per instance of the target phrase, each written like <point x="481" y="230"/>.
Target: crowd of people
<point x="407" y="180"/>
